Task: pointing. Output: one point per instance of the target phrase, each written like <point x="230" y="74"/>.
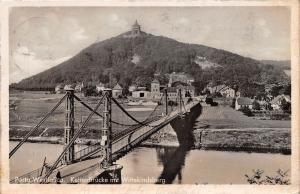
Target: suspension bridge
<point x="97" y="163"/>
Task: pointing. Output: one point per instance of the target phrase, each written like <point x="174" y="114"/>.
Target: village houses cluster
<point x="177" y="81"/>
<point x="184" y="83"/>
<point x="242" y="102"/>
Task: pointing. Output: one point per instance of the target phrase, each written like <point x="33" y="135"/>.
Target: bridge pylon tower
<point x="69" y="126"/>
<point x="106" y="137"/>
<point x="166" y="98"/>
<point x="180" y="101"/>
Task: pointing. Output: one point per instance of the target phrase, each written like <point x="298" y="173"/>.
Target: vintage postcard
<point x="147" y="97"/>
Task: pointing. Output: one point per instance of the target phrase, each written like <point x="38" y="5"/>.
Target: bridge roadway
<point x="86" y="170"/>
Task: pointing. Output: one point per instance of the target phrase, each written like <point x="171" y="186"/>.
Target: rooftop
<point x="244" y="101"/>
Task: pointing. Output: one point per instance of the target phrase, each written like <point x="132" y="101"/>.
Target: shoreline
<point x="252" y="140"/>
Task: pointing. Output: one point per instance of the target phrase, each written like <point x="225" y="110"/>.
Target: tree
<point x="285" y="106"/>
<point x="256" y="105"/>
<point x="269" y="106"/>
<point x="90" y="91"/>
<point x="209" y="100"/>
<point x="233" y="103"/>
<point x="276" y="90"/>
<point x="287" y="90"/>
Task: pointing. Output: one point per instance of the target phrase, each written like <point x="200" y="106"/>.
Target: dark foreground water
<point x="172" y="164"/>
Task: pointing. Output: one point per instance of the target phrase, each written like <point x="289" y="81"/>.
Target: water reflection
<point x="173" y="158"/>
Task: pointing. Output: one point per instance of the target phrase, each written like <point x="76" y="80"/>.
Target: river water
<point x="172" y="164"/>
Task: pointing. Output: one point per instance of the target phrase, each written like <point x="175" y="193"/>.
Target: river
<point x="173" y="164"/>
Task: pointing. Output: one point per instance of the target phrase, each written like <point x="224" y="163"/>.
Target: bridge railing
<point x="31" y="177"/>
<point x="86" y="151"/>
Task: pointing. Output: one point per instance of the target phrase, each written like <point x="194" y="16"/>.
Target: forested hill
<point x="136" y="60"/>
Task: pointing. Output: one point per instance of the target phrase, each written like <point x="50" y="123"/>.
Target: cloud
<point x="26" y="64"/>
<point x="114" y="20"/>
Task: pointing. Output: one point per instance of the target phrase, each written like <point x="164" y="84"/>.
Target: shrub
<point x="246" y="110"/>
<point x="256" y="105"/>
<point x="214" y="104"/>
<point x="279" y="179"/>
<point x="209" y="100"/>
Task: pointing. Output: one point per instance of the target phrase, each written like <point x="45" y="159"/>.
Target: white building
<point x="155" y="89"/>
<point x="227" y="92"/>
<point x="79" y="87"/>
<point x="277" y="101"/>
<point x="117" y="91"/>
<point x="242" y="102"/>
<point x="141" y="94"/>
<point x="100" y="87"/>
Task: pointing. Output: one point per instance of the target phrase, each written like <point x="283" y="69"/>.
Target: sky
<point x="42" y="37"/>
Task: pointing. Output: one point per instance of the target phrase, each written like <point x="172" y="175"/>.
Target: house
<point x="79" y="87"/>
<point x="100" y="87"/>
<point x="59" y="89"/>
<point x="224" y="90"/>
<point x="182" y="77"/>
<point x="69" y="86"/>
<point x="216" y="89"/>
<point x="277" y="101"/>
<point x="141" y="94"/>
<point x="186" y="91"/>
<point x="172" y="93"/>
<point x="132" y="88"/>
<point x="155" y="89"/>
<point x="227" y="92"/>
<point x="117" y="91"/>
<point x="242" y="102"/>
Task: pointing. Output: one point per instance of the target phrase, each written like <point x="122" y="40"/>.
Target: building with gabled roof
<point x="242" y="102"/>
<point x="277" y="101"/>
<point x="117" y="91"/>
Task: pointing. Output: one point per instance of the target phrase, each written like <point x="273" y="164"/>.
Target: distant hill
<point x="284" y="64"/>
<point x="128" y="60"/>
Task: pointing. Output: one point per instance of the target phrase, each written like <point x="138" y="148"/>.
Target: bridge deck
<point x="83" y="171"/>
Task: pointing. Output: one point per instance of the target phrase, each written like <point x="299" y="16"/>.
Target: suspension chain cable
<point x="77" y="133"/>
<point x="130" y="116"/>
<point x="98" y="114"/>
<point x="36" y="127"/>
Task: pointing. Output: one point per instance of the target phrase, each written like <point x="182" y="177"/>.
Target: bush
<point x="90" y="91"/>
<point x="214" y="104"/>
<point x="256" y="105"/>
<point x="209" y="100"/>
<point x="246" y="110"/>
<point x="286" y="106"/>
<point x="233" y="103"/>
<point x="279" y="179"/>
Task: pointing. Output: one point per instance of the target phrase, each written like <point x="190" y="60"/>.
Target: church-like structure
<point x="135" y="31"/>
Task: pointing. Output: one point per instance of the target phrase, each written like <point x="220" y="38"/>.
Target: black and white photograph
<point x="155" y="95"/>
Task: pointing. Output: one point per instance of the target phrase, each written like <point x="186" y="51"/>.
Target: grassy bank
<point x="260" y="140"/>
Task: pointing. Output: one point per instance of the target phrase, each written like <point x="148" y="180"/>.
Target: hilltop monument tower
<point x="136" y="29"/>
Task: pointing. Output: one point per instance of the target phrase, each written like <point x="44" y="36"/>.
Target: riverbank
<point x="260" y="140"/>
<point x="274" y="140"/>
<point x="55" y="140"/>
